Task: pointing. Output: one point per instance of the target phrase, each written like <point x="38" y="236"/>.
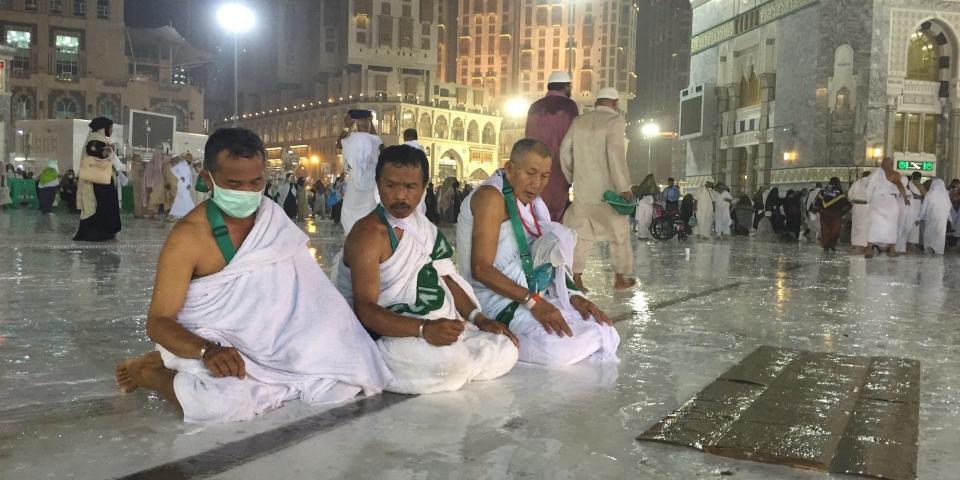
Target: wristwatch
<point x="206" y="346"/>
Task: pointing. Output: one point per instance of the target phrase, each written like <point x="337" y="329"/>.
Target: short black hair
<point x="240" y="142"/>
<point x="671" y="179"/>
<point x="525" y="145"/>
<point x="409" y="134"/>
<point x="557" y="86"/>
<point x="916" y="175"/>
<point x="404" y="156"/>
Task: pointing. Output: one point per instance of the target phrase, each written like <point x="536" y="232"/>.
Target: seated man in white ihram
<point x="398" y="272"/>
<point x="243" y="316"/>
<point x="519" y="263"/>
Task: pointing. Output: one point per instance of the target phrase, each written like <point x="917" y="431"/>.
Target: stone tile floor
<point x="69" y="312"/>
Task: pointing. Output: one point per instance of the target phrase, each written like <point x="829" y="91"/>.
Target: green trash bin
<point x="23" y="190"/>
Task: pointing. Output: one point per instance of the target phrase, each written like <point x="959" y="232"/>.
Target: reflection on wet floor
<point x="69" y="312"/>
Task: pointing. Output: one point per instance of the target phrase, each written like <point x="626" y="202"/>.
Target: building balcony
<point x="67" y="67"/>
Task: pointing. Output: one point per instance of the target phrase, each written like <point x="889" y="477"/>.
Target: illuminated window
<point x="913" y="132"/>
<point x="929" y="134"/>
<point x="923" y="58"/>
<point x="899" y="131"/>
<point x="18" y="38"/>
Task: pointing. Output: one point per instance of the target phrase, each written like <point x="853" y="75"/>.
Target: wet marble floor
<point x="69" y="312"/>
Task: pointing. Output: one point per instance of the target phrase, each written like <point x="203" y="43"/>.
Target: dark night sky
<point x="154" y="13"/>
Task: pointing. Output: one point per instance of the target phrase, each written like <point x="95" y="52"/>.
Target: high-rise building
<point x="509" y="47"/>
<point x="663" y="69"/>
<point x="312" y="61"/>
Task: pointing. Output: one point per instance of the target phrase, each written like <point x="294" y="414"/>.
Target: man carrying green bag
<point x="594" y="159"/>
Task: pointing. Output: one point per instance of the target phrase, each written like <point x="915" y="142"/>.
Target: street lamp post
<point x="649" y="131"/>
<point x="235" y="18"/>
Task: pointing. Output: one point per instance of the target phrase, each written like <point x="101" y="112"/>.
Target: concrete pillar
<point x="749" y="169"/>
<point x="764" y="163"/>
<point x="952" y="159"/>
<point x="889" y="132"/>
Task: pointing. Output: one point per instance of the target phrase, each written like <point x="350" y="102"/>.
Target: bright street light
<point x="650" y="130"/>
<point x="235" y="18"/>
<point x="516" y="107"/>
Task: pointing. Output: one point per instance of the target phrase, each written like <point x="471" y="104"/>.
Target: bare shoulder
<point x="488" y="203"/>
<point x="367" y="235"/>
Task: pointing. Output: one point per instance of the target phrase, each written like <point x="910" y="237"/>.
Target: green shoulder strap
<point x="526" y="260"/>
<point x="393" y="235"/>
<point x="220" y="232"/>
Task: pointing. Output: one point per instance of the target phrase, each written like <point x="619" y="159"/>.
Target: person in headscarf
<point x="793" y="213"/>
<point x="430" y="201"/>
<point x="934" y="213"/>
<point x="773" y="209"/>
<point x="758" y="207"/>
<point x="98" y="203"/>
<point x="686" y="211"/>
<point x="831" y="205"/>
<point x="48" y="183"/>
<point x="721" y="216"/>
<point x="743" y="215"/>
<point x="303" y="208"/>
<point x="288" y="196"/>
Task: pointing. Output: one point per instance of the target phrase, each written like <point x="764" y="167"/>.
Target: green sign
<point x="911" y="165"/>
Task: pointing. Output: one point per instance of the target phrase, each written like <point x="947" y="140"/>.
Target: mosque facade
<point x="790" y="92"/>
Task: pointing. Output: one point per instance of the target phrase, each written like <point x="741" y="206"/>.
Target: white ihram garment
<point x="360" y="152"/>
<point x="935" y="212"/>
<point x="721" y="213"/>
<point x="590" y="339"/>
<point x="296" y="334"/>
<point x="861" y="213"/>
<point x="705" y="206"/>
<point x="884" y="199"/>
<point x="813" y="219"/>
<point x="417" y="366"/>
<point x="644" y="216"/>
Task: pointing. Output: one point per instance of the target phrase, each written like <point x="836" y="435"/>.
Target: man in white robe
<point x="397" y="272"/>
<point x="935" y="213"/>
<point x="410" y="138"/>
<point x="360" y="151"/>
<point x="183" y="201"/>
<point x="909" y="235"/>
<point x="704" y="197"/>
<point x="243" y="317"/>
<point x="885" y="194"/>
<point x="721" y="210"/>
<point x="860" y="216"/>
<point x="519" y="264"/>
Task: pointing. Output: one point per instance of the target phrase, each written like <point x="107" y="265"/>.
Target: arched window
<point x="749" y="90"/>
<point x="425" y="127"/>
<point x="440" y="129"/>
<point x="106" y="107"/>
<point x="489" y="134"/>
<point x="64" y="108"/>
<point x="408" y="120"/>
<point x="22" y="107"/>
<point x="473" y="132"/>
<point x="457" y="130"/>
<point x="923" y="58"/>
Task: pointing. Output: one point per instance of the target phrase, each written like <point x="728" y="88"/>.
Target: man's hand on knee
<point x="442" y="332"/>
<point x="224" y="362"/>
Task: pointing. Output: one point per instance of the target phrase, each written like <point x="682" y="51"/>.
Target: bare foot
<point x="578" y="281"/>
<point x="127" y="373"/>
<point x="623" y="283"/>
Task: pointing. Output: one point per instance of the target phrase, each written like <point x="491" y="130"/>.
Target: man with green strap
<point x="397" y="271"/>
<point x="243" y="317"/>
<point x="518" y="262"/>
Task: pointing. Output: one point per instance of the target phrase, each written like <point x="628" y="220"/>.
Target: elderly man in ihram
<point x="885" y="193"/>
<point x="519" y="263"/>
<point x="243" y="316"/>
<point x="398" y="272"/>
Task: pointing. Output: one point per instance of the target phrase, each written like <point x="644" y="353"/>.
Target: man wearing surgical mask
<point x="243" y="317"/>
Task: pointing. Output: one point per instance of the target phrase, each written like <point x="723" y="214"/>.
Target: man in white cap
<point x="548" y="121"/>
<point x="593" y="157"/>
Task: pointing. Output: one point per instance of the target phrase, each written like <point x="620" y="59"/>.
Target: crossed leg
<point x="147" y="371"/>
